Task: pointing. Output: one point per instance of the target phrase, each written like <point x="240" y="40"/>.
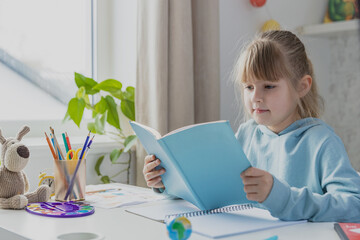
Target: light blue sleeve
<point x="340" y="201"/>
<point x="163" y="192"/>
<point x="158" y="190"/>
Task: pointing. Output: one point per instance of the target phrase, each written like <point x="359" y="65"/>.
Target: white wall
<point x="341" y="93"/>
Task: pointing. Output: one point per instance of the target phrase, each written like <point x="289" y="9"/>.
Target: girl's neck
<point x="286" y="123"/>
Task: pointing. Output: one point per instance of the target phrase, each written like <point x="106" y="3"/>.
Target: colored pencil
<point x="68" y="142"/>
<point x="71" y="186"/>
<point x="51" y="148"/>
<point x="85" y="145"/>
<point x="56" y="149"/>
<point x="105" y="190"/>
<point x="56" y="143"/>
<point x="88" y="147"/>
<point x="65" y="142"/>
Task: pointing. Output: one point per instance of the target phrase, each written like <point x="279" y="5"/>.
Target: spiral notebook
<point x="216" y="223"/>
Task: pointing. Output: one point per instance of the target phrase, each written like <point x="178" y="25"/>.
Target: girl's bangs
<point x="264" y="61"/>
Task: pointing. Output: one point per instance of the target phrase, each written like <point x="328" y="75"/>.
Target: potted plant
<point x="109" y="100"/>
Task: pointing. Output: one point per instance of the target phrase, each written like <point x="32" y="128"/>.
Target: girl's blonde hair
<point x="280" y="54"/>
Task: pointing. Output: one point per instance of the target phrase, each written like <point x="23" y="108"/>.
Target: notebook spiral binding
<point x="226" y="209"/>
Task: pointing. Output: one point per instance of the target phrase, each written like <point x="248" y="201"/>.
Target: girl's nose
<point x="257" y="96"/>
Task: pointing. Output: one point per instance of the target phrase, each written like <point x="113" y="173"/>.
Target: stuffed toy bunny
<point x="13" y="181"/>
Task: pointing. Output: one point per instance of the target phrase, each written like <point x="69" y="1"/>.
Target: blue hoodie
<point x="313" y="177"/>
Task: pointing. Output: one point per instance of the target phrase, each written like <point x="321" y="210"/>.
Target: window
<point x="42" y="44"/>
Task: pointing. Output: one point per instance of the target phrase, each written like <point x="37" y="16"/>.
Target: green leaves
<point x="105" y="179"/>
<point x="128" y="108"/>
<point x="128" y="103"/>
<point x="129" y="142"/>
<point x="87" y="83"/>
<point x="113" y="116"/>
<point x="115" y="154"/>
<point x="107" y="103"/>
<point x="76" y="109"/>
<point x="129" y="94"/>
<point x="97" y="165"/>
<point x="99" y="125"/>
<point x="109" y="100"/>
<point x="109" y="85"/>
<point x="101" y="106"/>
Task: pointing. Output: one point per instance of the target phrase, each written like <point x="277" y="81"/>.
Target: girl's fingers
<point x="154" y="174"/>
<point x="251" y="188"/>
<point x="251" y="180"/>
<point x="150" y="166"/>
<point x="159" y="185"/>
<point x="155" y="182"/>
<point x="253" y="197"/>
<point x="149" y="158"/>
<point x="251" y="171"/>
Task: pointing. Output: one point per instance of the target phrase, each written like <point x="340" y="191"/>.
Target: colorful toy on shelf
<point x="270" y="25"/>
<point x="341" y="10"/>
<point x="257" y="3"/>
<point x="179" y="228"/>
<point x="13" y="181"/>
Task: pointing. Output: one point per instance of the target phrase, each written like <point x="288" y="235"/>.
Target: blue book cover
<point x="203" y="162"/>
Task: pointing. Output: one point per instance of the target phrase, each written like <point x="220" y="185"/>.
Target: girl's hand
<point x="152" y="176"/>
<point x="257" y="184"/>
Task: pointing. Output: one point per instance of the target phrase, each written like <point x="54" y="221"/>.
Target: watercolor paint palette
<point x="60" y="209"/>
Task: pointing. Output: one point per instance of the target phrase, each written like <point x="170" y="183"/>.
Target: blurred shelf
<point x="330" y="29"/>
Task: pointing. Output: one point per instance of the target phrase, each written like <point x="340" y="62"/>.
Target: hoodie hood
<point x="296" y="128"/>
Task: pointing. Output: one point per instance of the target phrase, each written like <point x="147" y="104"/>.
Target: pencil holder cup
<point x="67" y="183"/>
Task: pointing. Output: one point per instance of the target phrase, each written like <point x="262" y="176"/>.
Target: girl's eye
<point x="249" y="87"/>
<point x="269" y="86"/>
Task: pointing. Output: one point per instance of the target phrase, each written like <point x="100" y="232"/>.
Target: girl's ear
<point x="304" y="85"/>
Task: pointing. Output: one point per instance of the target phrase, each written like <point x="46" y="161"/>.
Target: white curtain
<point x="177" y="65"/>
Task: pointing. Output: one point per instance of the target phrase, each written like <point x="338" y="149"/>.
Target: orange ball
<point x="257" y="3"/>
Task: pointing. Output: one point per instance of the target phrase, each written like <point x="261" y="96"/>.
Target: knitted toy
<point x="13" y="181"/>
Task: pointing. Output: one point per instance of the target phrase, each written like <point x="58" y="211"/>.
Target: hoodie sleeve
<point x="158" y="190"/>
<point x="340" y="201"/>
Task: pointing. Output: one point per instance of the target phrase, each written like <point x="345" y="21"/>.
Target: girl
<point x="300" y="166"/>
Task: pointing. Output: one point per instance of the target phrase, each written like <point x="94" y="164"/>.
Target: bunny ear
<point x="2" y="139"/>
<point x="22" y="132"/>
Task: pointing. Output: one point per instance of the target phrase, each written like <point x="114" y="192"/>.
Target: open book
<point x="203" y="162"/>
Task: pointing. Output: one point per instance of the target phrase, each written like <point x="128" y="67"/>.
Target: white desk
<point x="118" y="224"/>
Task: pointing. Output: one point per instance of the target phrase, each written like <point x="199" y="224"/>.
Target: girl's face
<point x="273" y="104"/>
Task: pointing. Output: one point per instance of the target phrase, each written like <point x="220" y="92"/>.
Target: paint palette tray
<point x="60" y="209"/>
